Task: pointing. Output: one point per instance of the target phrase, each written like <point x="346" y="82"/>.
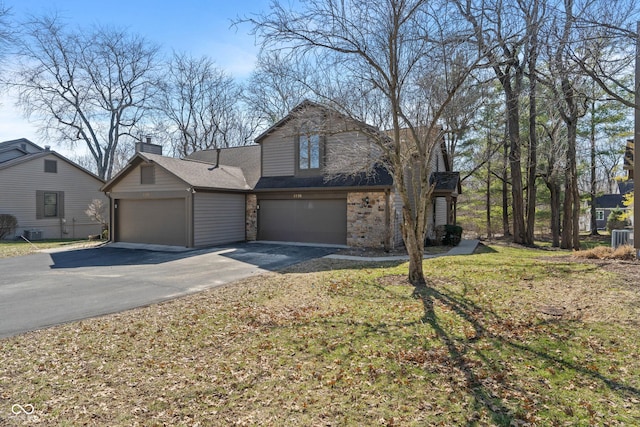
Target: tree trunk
<point x="571" y="210"/>
<point x="416" y="255"/>
<point x="517" y="202"/>
<point x="488" y="200"/>
<point x="505" y="191"/>
<point x="554" y="190"/>
<point x="592" y="189"/>
<point x="532" y="164"/>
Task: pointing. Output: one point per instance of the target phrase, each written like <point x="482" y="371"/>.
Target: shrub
<point x="452" y="235"/>
<point x="8" y="223"/>
<point x="616" y="220"/>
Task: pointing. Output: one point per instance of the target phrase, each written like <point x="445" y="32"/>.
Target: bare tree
<point x="502" y="29"/>
<point x="85" y="86"/>
<point x="276" y="86"/>
<point x="201" y="104"/>
<point x="385" y="49"/>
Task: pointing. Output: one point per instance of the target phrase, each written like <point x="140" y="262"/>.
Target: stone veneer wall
<point x="251" y="217"/>
<point x="366" y="219"/>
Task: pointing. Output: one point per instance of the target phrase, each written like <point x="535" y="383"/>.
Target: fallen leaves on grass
<point x="326" y="343"/>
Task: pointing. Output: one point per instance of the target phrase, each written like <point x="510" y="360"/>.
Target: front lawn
<point x="506" y="337"/>
<point x="20" y="247"/>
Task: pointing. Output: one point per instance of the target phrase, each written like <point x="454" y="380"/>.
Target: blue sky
<point x="198" y="27"/>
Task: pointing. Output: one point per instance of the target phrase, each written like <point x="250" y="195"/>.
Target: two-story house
<point x="276" y="190"/>
<point x="46" y="192"/>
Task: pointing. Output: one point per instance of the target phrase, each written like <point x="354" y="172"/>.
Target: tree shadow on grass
<point x="462" y="351"/>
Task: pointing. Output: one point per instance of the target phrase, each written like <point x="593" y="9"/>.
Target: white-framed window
<point x="600" y="215"/>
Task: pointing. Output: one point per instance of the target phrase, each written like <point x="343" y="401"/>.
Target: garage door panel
<point x="156" y="221"/>
<point x="308" y="220"/>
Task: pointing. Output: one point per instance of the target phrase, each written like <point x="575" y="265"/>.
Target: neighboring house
<point x="606" y="204"/>
<point x="47" y="193"/>
<point x="277" y="190"/>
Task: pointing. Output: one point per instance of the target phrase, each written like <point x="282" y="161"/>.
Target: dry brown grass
<point x="624" y="253"/>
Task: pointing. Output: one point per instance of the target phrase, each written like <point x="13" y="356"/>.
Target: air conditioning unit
<point x="32" y="234"/>
<point x="621" y="237"/>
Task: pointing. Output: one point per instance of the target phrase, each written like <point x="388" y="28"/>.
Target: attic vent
<point x="51" y="166"/>
<point x="147" y="174"/>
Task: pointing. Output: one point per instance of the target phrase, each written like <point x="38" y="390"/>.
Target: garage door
<point x="308" y="221"/>
<point x="157" y="221"/>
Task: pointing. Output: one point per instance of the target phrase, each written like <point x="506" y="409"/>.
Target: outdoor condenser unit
<point x="32" y="234"/>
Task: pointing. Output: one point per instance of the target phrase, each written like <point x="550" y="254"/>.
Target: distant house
<point x="46" y="192"/>
<point x="607" y="203"/>
<point x="276" y="190"/>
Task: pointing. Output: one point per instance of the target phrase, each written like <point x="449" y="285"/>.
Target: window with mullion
<point x="309" y="151"/>
<point x="50" y="205"/>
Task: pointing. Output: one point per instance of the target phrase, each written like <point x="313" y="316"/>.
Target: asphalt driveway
<point x="45" y="289"/>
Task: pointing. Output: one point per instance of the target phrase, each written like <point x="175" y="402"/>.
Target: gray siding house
<point x="276" y="190"/>
<point x="46" y="192"/>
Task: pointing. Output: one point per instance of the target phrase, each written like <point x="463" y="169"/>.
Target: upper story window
<point x="147" y="174"/>
<point x="309" y="151"/>
<point x="51" y="166"/>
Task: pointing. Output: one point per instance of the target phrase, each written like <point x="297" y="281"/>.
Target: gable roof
<point x="18" y="143"/>
<point x="29" y="157"/>
<point x="625" y="186"/>
<point x="307" y="104"/>
<point x="197" y="174"/>
<point x="610" y="201"/>
<point x="446" y="182"/>
<point x="245" y="157"/>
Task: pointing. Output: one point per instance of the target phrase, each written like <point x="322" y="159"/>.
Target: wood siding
<point x="164" y="181"/>
<point x="278" y="153"/>
<point x="18" y="187"/>
<point x="335" y="151"/>
<point x="441" y="211"/>
<point x="218" y="218"/>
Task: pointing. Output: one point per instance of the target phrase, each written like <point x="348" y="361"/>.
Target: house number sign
<point x="297" y="196"/>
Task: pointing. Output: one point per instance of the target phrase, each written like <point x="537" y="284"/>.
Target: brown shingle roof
<point x="245" y="157"/>
<point x="201" y="174"/>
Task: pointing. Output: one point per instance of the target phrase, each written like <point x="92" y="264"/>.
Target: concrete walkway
<point x="466" y="247"/>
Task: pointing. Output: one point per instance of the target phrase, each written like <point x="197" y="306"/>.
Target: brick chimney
<point x="148" y="147"/>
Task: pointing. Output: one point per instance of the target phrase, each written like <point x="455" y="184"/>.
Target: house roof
<point x="610" y="201"/>
<point x="245" y="157"/>
<point x="305" y="105"/>
<point x="17" y="143"/>
<point x="34" y="156"/>
<point x="197" y="174"/>
<point x="446" y="181"/>
<point x="381" y="179"/>
<point x="625" y="186"/>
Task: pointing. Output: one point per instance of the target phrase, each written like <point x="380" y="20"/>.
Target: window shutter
<point x="39" y="204"/>
<point x="60" y="204"/>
